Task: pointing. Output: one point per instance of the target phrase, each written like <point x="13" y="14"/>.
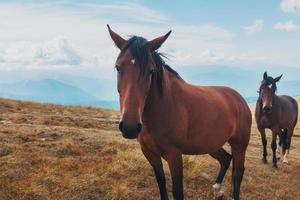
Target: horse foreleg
<point x="281" y="143"/>
<point x="264" y="143"/>
<point x="274" y="147"/>
<point x="155" y="161"/>
<point x="174" y="160"/>
<point x="224" y="159"/>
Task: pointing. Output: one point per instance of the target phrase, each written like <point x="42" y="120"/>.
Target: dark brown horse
<point x="278" y="113"/>
<point x="171" y="117"/>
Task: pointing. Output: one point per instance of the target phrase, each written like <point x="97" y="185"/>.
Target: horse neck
<point x="276" y="100"/>
<point x="158" y="106"/>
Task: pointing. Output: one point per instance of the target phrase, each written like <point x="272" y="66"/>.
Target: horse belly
<point x="205" y="141"/>
<point x="208" y="122"/>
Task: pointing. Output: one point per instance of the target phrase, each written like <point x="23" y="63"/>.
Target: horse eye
<point x="118" y="68"/>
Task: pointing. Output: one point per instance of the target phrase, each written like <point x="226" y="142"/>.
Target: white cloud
<point x="86" y="42"/>
<point x="286" y="26"/>
<point x="57" y="51"/>
<point x="54" y="53"/>
<point x="290" y="6"/>
<point x="87" y="49"/>
<point x="257" y="26"/>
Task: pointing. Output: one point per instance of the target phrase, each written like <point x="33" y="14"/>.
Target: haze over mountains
<point x="74" y="90"/>
<point x="52" y="91"/>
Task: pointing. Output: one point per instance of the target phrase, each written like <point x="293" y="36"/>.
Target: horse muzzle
<point x="130" y="131"/>
<point x="267" y="109"/>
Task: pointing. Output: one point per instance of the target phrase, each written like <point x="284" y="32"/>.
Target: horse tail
<point x="296" y="109"/>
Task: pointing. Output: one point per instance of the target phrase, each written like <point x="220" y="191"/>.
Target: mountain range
<point x="67" y="89"/>
<point x="52" y="91"/>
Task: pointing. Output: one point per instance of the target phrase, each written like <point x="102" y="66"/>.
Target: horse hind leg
<point x="238" y="147"/>
<point x="287" y="144"/>
<point x="237" y="172"/>
<point x="280" y="148"/>
<point x="289" y="133"/>
<point x="278" y="151"/>
<point x="224" y="159"/>
<point x="282" y="143"/>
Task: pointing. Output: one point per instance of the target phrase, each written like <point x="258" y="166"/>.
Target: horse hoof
<point x="285" y="161"/>
<point x="264" y="161"/>
<point x="220" y="195"/>
<point x="274" y="166"/>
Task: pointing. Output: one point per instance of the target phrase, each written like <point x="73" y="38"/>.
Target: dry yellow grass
<point x="57" y="152"/>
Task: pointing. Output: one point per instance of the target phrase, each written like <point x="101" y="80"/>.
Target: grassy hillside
<point x="57" y="152"/>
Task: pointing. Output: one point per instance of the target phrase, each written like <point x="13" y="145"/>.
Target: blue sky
<point x="71" y="36"/>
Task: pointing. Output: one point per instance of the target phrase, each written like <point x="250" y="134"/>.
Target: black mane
<point x="141" y="53"/>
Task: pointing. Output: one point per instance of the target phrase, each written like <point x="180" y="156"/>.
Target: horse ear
<point x="265" y="76"/>
<point x="157" y="42"/>
<point x="118" y="40"/>
<point x="277" y="78"/>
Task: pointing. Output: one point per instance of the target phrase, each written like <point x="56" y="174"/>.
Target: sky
<point x="70" y="36"/>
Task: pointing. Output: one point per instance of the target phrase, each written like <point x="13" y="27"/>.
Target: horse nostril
<point x="121" y="126"/>
<point x="267" y="109"/>
<point x="139" y="127"/>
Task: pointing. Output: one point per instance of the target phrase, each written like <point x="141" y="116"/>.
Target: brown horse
<point x="170" y="117"/>
<point x="278" y="113"/>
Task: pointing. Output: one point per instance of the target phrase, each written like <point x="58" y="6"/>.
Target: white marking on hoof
<point x="285" y="160"/>
<point x="132" y="61"/>
<point x="217" y="186"/>
<point x="219" y="194"/>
